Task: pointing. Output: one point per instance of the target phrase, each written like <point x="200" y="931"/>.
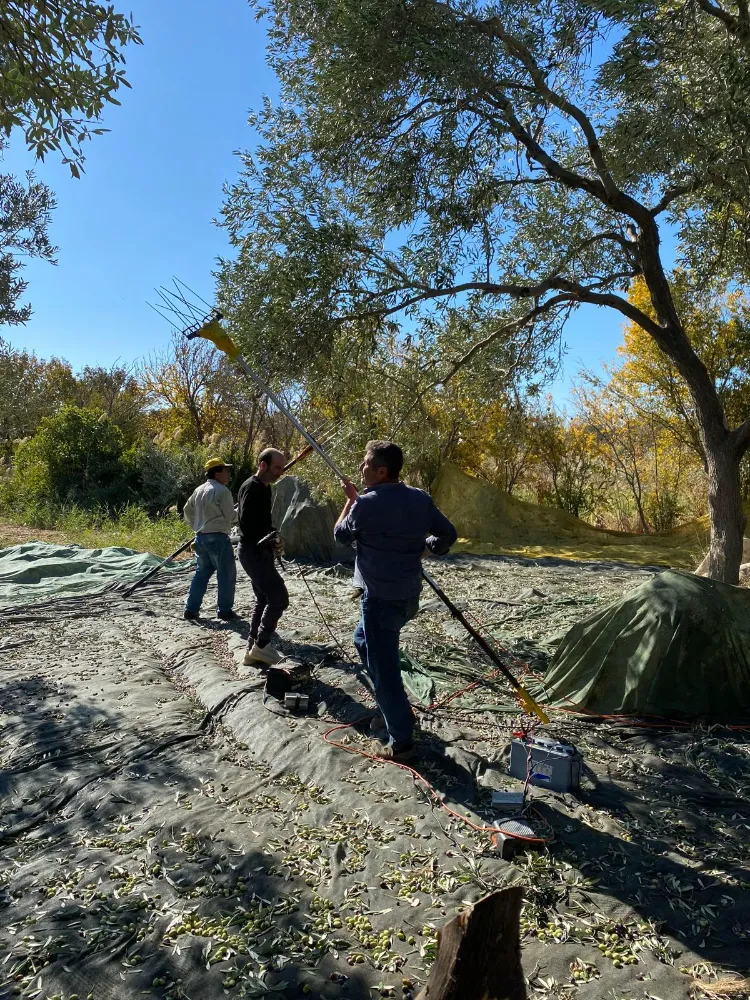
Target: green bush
<point x="663" y="509"/>
<point x="154" y="477"/>
<point x="75" y="457"/>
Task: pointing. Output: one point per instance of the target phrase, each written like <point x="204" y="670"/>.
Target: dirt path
<point x="18" y="534"/>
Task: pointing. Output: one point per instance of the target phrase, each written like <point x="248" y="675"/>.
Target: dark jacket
<point x="391" y="524"/>
<point x="254" y="510"/>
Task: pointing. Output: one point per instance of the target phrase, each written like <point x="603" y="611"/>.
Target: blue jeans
<point x="214" y="553"/>
<point x="376" y="638"/>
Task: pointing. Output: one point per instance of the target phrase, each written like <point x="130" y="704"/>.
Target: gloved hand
<point x="272" y="542"/>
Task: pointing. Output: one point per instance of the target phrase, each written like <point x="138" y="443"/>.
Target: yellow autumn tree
<point x="717" y="323"/>
<point x="656" y="477"/>
<point x="569" y="472"/>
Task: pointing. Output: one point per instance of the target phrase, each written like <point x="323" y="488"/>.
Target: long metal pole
<point x="288" y="414"/>
<point x="528" y="702"/>
<point x="213" y="331"/>
<point x="155" y="570"/>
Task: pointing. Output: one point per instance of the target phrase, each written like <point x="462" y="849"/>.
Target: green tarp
<point x="37" y="571"/>
<point x="676" y="647"/>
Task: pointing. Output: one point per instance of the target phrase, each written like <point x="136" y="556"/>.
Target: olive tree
<point x="498" y="163"/>
<point x="62" y="62"/>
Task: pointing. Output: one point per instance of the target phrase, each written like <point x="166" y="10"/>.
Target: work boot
<point x="378" y="727"/>
<point x="190" y="616"/>
<point x="389" y="750"/>
<point x="227" y="616"/>
<point x="267" y="655"/>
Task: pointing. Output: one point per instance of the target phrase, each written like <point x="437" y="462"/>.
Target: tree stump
<point x="479" y="953"/>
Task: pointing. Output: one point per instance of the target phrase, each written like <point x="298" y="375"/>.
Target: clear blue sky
<point x="144" y="209"/>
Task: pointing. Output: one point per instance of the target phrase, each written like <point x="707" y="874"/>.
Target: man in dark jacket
<point x="390" y="523"/>
<point x="254" y="518"/>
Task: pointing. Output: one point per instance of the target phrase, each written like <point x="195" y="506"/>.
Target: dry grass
<point x="19" y="534"/>
<point x="727" y="986"/>
<point x="131" y="528"/>
<point x="491" y="522"/>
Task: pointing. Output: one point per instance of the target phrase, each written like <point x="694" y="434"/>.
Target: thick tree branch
<point x="741" y="436"/>
<point x="583" y="293"/>
<point x="671" y="194"/>
<point x="516" y="324"/>
<point x="573" y="289"/>
<point x="603" y="188"/>
<point x="715" y="10"/>
<point x="516" y="290"/>
<point x="571" y="179"/>
<point x="522" y="53"/>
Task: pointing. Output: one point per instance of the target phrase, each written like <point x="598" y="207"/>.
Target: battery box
<point x="553" y="764"/>
<point x="296" y="702"/>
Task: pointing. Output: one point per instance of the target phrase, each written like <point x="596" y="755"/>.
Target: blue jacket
<point x="391" y="524"/>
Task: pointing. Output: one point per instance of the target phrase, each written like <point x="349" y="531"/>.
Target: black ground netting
<point x="167" y="834"/>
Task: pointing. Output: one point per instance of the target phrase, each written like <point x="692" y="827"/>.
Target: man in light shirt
<point x="210" y="513"/>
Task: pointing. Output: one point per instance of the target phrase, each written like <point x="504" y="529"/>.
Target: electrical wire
<point x="418" y="778"/>
<point x="430" y="789"/>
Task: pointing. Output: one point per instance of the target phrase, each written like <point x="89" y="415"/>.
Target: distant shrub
<point x="75" y="457"/>
<point x="154" y="477"/>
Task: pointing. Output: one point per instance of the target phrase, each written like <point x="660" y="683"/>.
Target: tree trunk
<point x="479" y="953"/>
<point x="726" y="514"/>
<point x="723" y="448"/>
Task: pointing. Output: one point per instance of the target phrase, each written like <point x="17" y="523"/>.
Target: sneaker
<point x="262" y="654"/>
<point x="190" y="616"/>
<point x="227" y="616"/>
<point x="389" y="750"/>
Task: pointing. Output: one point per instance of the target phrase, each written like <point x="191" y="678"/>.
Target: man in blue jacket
<point x="390" y="523"/>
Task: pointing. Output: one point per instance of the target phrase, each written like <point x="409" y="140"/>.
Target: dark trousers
<point x="271" y="596"/>
<point x="376" y="638"/>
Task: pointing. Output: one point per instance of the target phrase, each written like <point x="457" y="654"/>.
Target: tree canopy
<point x="62" y="62"/>
<point x="25" y="212"/>
<point x="717" y="321"/>
<point x="74" y="456"/>
<point x="487" y="167"/>
<point x="483" y="159"/>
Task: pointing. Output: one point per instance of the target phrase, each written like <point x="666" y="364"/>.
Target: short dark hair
<point x="211" y="473"/>
<point x="267" y="455"/>
<point x="388" y="454"/>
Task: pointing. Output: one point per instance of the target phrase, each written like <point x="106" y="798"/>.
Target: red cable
<point x="417" y="777"/>
<point x="441" y="702"/>
<point x="650" y="720"/>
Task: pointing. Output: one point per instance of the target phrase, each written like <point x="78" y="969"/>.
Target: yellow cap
<point x="216" y="463"/>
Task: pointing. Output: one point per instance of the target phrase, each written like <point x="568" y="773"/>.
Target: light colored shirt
<point x="210" y="508"/>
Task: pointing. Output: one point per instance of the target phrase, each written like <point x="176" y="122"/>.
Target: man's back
<point x="210" y="508"/>
<point x="391" y="523"/>
<point x="254" y="510"/>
